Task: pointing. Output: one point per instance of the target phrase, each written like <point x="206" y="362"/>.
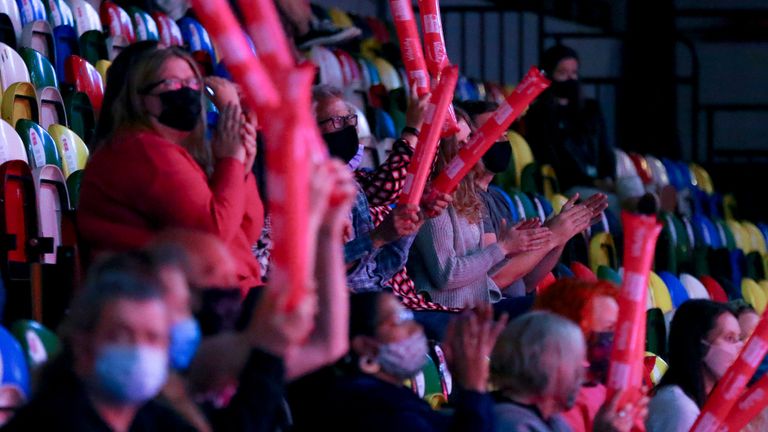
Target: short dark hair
<point x="127" y="276"/>
<point x="554" y="55"/>
<point x="693" y="320"/>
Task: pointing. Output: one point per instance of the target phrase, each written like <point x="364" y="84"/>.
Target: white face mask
<point x="405" y="358"/>
<point x="720" y="357"/>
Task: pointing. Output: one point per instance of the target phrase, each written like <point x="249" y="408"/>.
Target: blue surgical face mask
<point x="185" y="339"/>
<point x="129" y="374"/>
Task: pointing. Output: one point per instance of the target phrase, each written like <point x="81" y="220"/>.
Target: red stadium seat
<point x="170" y="33"/>
<point x="86" y="79"/>
<point x="117" y="21"/>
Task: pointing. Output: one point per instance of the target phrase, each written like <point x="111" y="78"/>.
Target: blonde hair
<point x="466" y="198"/>
<point x="126" y="111"/>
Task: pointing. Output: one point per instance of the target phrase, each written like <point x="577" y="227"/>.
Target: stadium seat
<point x="661" y="297"/>
<point x="351" y="70"/>
<point x="73" y="187"/>
<point x="52" y="109"/>
<point x="15" y="386"/>
<point x="38" y="343"/>
<point x="59" y="13"/>
<point x="550" y="185"/>
<point x="10" y="23"/>
<point x="52" y="204"/>
<point x="12" y="67"/>
<point x="370" y="75"/>
<point x="103" y="66"/>
<point x="18" y="215"/>
<point x="642" y="168"/>
<point x="656" y="332"/>
<point x="80" y="114"/>
<point x="740" y="237"/>
<point x="655" y="368"/>
<point x="677" y="291"/>
<point x="30" y="11"/>
<point x="93" y="46"/>
<point x="86" y="79"/>
<point x="580" y="271"/>
<point x="67" y="44"/>
<point x="329" y="67"/>
<point x="20" y="102"/>
<point x="116" y="45"/>
<point x="41" y="70"/>
<point x="196" y="37"/>
<point x="525" y="204"/>
<point x="716" y="292"/>
<point x="754" y="295"/>
<point x="38" y="35"/>
<point x="388" y="74"/>
<point x="169" y="31"/>
<point x="86" y="17"/>
<point x="72" y="149"/>
<point x="756" y="239"/>
<point x="11" y="145"/>
<point x="41" y="148"/>
<point x="694" y="287"/>
<point x="117" y="21"/>
<point x="602" y="251"/>
<point x="703" y="180"/>
<point x="143" y="24"/>
<point x="385" y="126"/>
<point x="606" y="273"/>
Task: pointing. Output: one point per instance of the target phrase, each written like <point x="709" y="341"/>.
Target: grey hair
<point x="530" y="349"/>
<point x="322" y="92"/>
<point x="127" y="276"/>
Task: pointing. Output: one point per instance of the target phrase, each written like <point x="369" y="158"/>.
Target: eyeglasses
<point x="339" y="122"/>
<point x="175" y="84"/>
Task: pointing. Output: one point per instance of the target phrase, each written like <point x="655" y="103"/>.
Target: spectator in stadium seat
<point x="704" y="340"/>
<point x="114" y="362"/>
<point x="593" y="307"/>
<point x="388" y="347"/>
<point x="452" y="261"/>
<point x="373" y="253"/>
<point x="537" y="368"/>
<point x="567" y="131"/>
<point x="231" y="362"/>
<point x="533" y="266"/>
<point x="152" y="168"/>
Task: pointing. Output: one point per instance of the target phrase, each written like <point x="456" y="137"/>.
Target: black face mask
<point x="181" y="109"/>
<point x="568" y="89"/>
<point x="343" y="144"/>
<point x="496" y="159"/>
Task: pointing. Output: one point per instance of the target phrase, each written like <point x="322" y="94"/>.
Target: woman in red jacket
<point x="153" y="169"/>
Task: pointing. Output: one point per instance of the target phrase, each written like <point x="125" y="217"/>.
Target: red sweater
<point x="139" y="183"/>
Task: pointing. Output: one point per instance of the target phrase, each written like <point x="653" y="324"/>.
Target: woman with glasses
<point x="153" y="169"/>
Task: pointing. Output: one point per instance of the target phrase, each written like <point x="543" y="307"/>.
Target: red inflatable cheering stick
<point x="246" y="69"/>
<point x="436" y="55"/>
<point x="434" y="42"/>
<point x="410" y="45"/>
<point x="627" y="357"/>
<point x="730" y="387"/>
<point x="751" y="403"/>
<point x="529" y="88"/>
<point x="429" y="137"/>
